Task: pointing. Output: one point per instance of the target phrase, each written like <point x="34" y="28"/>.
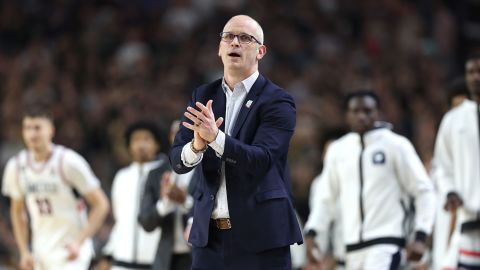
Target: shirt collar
<point x="247" y="83"/>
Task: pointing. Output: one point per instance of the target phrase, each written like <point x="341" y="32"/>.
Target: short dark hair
<point x="473" y="56"/>
<point x="143" y="125"/>
<point x="37" y="110"/>
<point x="358" y="94"/>
<point x="457" y="87"/>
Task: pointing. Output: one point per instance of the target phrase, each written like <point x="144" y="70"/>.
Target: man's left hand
<point x="203" y="121"/>
<point x="415" y="251"/>
<point x="73" y="249"/>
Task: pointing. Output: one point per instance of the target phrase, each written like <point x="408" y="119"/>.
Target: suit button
<point x="212" y="197"/>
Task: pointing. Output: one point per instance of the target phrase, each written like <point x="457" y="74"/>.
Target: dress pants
<point x="224" y="253"/>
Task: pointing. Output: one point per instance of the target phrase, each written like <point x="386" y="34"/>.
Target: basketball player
<point x="48" y="181"/>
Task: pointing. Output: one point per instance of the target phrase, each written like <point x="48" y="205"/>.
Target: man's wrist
<point x="25" y="252"/>
<point x="197" y="151"/>
<point x="214" y="138"/>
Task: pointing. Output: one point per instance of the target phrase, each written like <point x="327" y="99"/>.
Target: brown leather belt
<point x="221" y="223"/>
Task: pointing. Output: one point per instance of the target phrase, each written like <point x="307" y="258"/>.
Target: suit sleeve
<point x="414" y="179"/>
<point x="271" y="140"/>
<point x="149" y="217"/>
<point x="109" y="247"/>
<point x="184" y="136"/>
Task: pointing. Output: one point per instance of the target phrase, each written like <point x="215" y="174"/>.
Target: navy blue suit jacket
<point x="257" y="175"/>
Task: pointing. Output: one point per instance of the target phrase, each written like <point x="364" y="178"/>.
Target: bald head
<point x="249" y="23"/>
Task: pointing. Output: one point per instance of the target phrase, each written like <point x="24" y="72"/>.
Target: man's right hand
<point x="103" y="264"/>
<point x="312" y="250"/>
<point x="26" y="261"/>
<point x="453" y="202"/>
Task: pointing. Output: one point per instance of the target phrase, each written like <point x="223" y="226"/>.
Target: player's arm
<point x="325" y="197"/>
<point x="79" y="174"/>
<point x="20" y="230"/>
<point x="99" y="206"/>
<point x="415" y="180"/>
<point x="11" y="188"/>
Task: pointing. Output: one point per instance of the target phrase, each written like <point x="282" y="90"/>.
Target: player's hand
<point x="26" y="261"/>
<point x="165" y="185"/>
<point x="177" y="194"/>
<point x="73" y="249"/>
<point x="453" y="202"/>
<point x="415" y="251"/>
<point x="312" y="251"/>
<point x="204" y="122"/>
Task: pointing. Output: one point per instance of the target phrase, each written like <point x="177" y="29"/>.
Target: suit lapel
<point x="248" y="103"/>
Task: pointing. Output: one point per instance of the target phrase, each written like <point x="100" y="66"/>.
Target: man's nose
<point x="362" y="117"/>
<point x="235" y="41"/>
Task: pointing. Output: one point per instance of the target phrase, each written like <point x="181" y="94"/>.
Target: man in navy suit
<point x="236" y="131"/>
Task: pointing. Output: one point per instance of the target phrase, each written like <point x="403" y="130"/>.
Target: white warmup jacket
<point x="129" y="244"/>
<point x="456" y="164"/>
<point x="334" y="235"/>
<point x="372" y="176"/>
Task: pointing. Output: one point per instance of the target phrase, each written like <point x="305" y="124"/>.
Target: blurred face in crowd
<point x="143" y="146"/>
<point x="362" y="113"/>
<point x="240" y="48"/>
<point x="37" y="133"/>
<point x="472" y="76"/>
<point x="457" y="100"/>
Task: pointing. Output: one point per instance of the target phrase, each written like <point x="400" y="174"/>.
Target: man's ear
<point x="262" y="50"/>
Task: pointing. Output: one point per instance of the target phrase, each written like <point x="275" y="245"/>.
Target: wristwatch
<point x="200" y="151"/>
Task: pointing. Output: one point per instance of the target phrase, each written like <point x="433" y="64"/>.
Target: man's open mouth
<point x="233" y="54"/>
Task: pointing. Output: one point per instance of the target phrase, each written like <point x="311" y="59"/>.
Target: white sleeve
<point x="190" y="158"/>
<point x="442" y="169"/>
<point x="218" y="145"/>
<point x="77" y="172"/>
<point x="414" y="179"/>
<point x="313" y="191"/>
<point x="324" y="199"/>
<point x="165" y="207"/>
<point x="11" y="183"/>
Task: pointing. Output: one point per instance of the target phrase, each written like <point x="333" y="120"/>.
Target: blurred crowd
<point x="105" y="64"/>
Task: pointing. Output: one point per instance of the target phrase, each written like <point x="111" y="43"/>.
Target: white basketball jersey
<point x="57" y="214"/>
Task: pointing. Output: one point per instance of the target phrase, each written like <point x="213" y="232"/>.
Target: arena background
<point x="105" y="64"/>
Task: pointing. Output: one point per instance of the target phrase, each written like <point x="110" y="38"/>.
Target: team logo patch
<point x="378" y="157"/>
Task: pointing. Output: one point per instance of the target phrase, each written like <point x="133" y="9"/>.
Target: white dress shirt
<point x="234" y="101"/>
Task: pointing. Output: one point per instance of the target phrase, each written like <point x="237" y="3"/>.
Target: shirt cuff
<point x="188" y="204"/>
<point x="219" y="143"/>
<point x="164" y="207"/>
<point x="190" y="158"/>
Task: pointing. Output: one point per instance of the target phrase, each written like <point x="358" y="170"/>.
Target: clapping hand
<point x="204" y="124"/>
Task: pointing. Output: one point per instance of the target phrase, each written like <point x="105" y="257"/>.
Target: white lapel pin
<point x="248" y="104"/>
